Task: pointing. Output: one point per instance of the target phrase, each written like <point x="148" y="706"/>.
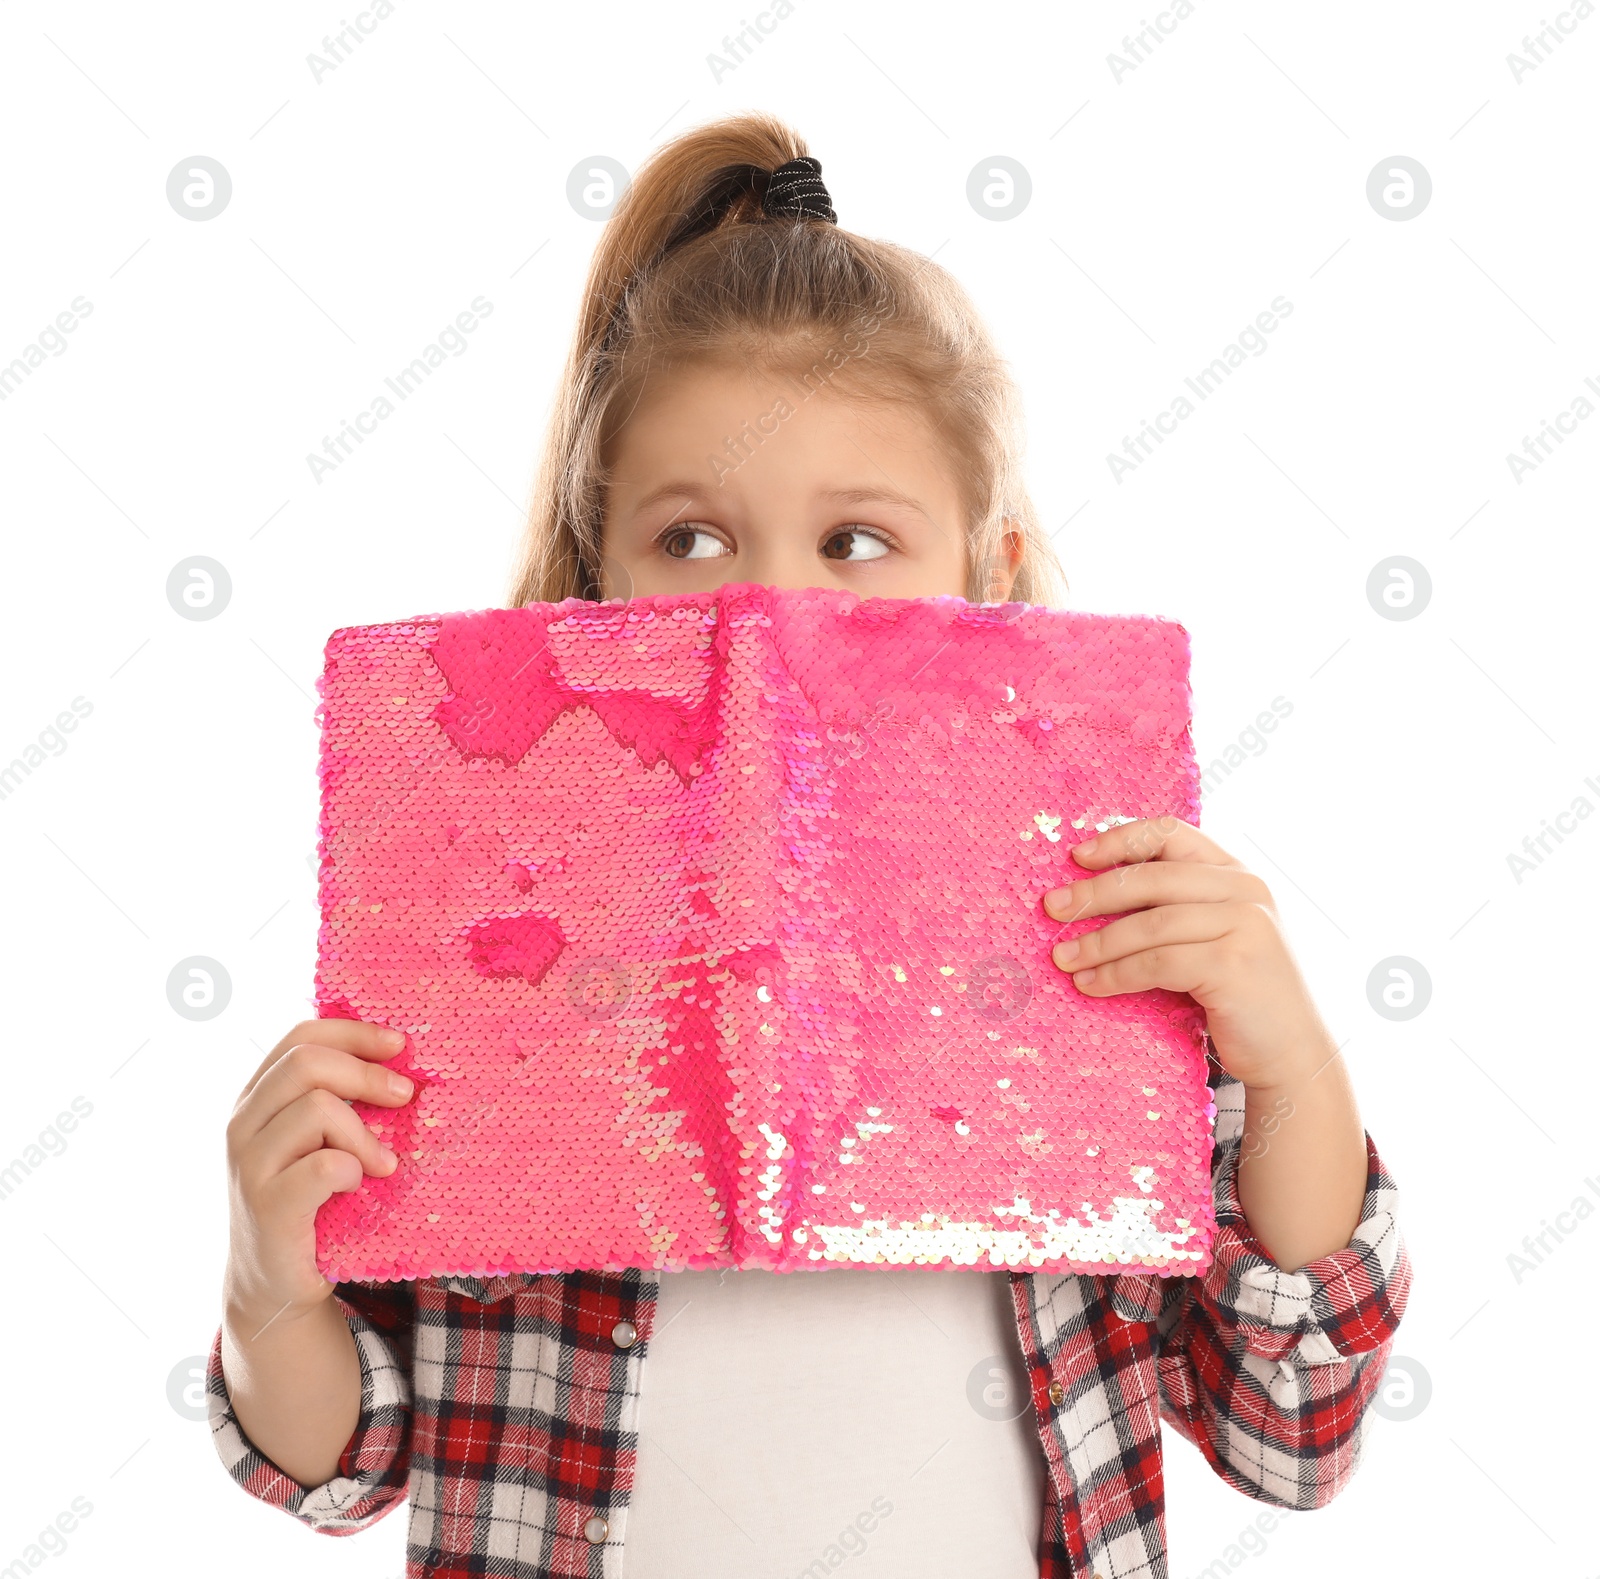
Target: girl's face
<point x="729" y="474"/>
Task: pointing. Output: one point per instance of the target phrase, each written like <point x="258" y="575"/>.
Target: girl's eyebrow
<point x="873" y="496"/>
<point x="669" y="490"/>
<point x="861" y="495"/>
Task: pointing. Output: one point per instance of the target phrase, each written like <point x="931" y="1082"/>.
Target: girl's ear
<point x="999" y="570"/>
<point x="1011" y="541"/>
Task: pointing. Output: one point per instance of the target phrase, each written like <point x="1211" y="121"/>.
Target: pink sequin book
<point x="714" y="926"/>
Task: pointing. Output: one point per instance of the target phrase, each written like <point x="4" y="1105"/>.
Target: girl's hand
<point x="1199" y="923"/>
<point x="293" y="1142"/>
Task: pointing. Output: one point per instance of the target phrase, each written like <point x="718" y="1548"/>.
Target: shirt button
<point x="1057" y="1393"/>
<point x="623" y="1334"/>
<point x="595" y="1530"/>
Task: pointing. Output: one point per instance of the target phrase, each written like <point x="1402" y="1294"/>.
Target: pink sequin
<point x="714" y="926"/>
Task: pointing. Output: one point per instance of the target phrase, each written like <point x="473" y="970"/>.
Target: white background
<point x="1167" y="210"/>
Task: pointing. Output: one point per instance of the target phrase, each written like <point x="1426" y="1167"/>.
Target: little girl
<point x="757" y="395"/>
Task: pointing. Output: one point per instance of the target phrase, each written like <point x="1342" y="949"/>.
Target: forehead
<point x="800" y="422"/>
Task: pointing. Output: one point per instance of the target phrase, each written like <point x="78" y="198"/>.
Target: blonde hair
<point x="689" y="270"/>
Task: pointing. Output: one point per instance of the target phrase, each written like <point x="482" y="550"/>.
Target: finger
<point x="1153" y="883"/>
<point x="309" y="1067"/>
<point x="1146" y="929"/>
<point x="1180" y="967"/>
<point x="363" y="1038"/>
<point x="296" y="1193"/>
<point x="1150" y="839"/>
<point x="318" y="1121"/>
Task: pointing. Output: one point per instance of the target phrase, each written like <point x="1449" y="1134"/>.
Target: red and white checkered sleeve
<point x="373" y="1468"/>
<point x="1271" y="1373"/>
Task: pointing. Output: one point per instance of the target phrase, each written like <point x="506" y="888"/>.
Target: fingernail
<point x="387" y="1161"/>
<point x="1086" y="848"/>
<point x="1084" y="977"/>
<point x="1067" y="951"/>
<point x="400" y="1086"/>
<point x="391" y="1038"/>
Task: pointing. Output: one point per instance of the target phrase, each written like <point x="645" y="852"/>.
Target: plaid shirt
<point x="506" y="1408"/>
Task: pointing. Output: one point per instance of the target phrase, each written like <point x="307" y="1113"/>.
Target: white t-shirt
<point x="879" y="1413"/>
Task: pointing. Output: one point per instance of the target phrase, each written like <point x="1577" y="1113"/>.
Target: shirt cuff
<point x="373" y="1468"/>
<point x="1346" y="1303"/>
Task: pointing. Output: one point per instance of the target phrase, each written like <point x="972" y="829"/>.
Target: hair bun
<point x="795" y="191"/>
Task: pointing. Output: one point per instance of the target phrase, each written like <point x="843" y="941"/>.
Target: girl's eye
<point x="853" y="543"/>
<point x="692" y="543"/>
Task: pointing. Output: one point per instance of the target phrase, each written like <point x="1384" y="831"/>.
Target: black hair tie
<point x="792" y="191"/>
<point x="795" y="191"/>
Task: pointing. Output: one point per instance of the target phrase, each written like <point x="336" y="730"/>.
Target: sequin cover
<point x="714" y="925"/>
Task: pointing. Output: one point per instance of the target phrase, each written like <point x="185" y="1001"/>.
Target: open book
<point x="714" y="926"/>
